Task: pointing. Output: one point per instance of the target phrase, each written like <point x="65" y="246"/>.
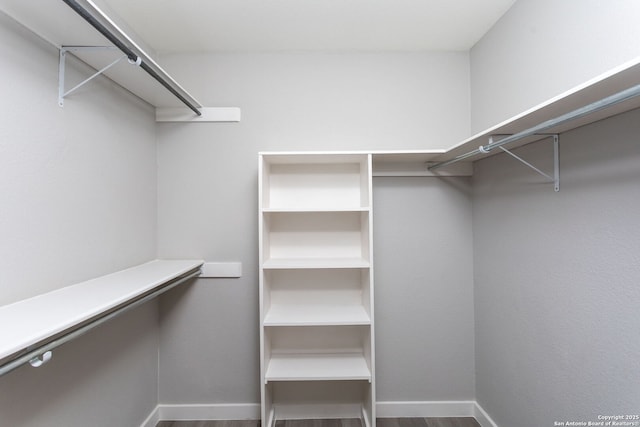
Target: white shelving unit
<point x="316" y="287"/>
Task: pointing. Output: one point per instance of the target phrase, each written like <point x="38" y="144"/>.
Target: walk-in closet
<point x="302" y="213"/>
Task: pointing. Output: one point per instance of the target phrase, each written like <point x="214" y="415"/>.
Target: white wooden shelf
<point x="317" y="367"/>
<point x="315" y="263"/>
<point x="313" y="210"/>
<point x="316" y="315"/>
<point x="35" y="320"/>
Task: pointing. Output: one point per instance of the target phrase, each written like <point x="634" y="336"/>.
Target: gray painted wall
<point x="541" y="48"/>
<point x="556" y="279"/>
<point x="556" y="274"/>
<point x="424" y="289"/>
<point x="208" y="177"/>
<point x="78" y="198"/>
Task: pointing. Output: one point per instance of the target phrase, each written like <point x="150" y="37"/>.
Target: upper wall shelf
<point x="607" y="95"/>
<point x="384" y="163"/>
<point x="593" y="91"/>
<point x="607" y="85"/>
<point x="57" y="23"/>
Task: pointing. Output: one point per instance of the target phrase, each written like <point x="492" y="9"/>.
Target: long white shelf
<point x="415" y="162"/>
<point x="316" y="315"/>
<point x="317" y="367"/>
<point x="35" y="320"/>
<point x="613" y="81"/>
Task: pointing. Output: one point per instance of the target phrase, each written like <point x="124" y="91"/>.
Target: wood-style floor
<point x="381" y="422"/>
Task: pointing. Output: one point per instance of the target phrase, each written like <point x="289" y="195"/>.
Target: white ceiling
<point x="309" y="25"/>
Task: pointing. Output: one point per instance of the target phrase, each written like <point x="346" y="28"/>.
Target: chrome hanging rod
<point x="131" y="55"/>
<point x="42" y="354"/>
<point x="609" y="101"/>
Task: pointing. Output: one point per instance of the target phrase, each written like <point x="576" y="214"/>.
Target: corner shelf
<point x="615" y="81"/>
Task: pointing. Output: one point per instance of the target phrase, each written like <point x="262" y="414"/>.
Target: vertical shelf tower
<point x="316" y="287"/>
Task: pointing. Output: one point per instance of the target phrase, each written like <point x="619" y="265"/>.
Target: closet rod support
<point x="521" y="160"/>
<point x="38" y="361"/>
<point x="556" y="165"/>
<point x="61" y="70"/>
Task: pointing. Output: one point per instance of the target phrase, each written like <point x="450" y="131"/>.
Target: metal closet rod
<point x="603" y="103"/>
<point x="133" y="57"/>
<point x="41" y="350"/>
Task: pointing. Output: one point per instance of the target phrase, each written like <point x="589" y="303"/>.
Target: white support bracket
<point x="61" y="68"/>
<point x="556" y="160"/>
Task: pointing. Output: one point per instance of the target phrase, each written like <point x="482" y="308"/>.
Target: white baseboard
<point x="438" y="408"/>
<point x="251" y="411"/>
<point x="229" y="411"/>
<point x="152" y="419"/>
<point x="482" y="417"/>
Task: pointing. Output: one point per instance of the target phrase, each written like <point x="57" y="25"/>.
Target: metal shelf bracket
<point x="61" y="68"/>
<point x="556" y="160"/>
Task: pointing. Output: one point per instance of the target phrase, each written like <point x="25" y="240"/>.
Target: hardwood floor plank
<point x="452" y="422"/>
<point x="412" y="422"/>
<point x="380" y="422"/>
<point x="237" y="423"/>
<point x="387" y="422"/>
<point x="351" y="422"/>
